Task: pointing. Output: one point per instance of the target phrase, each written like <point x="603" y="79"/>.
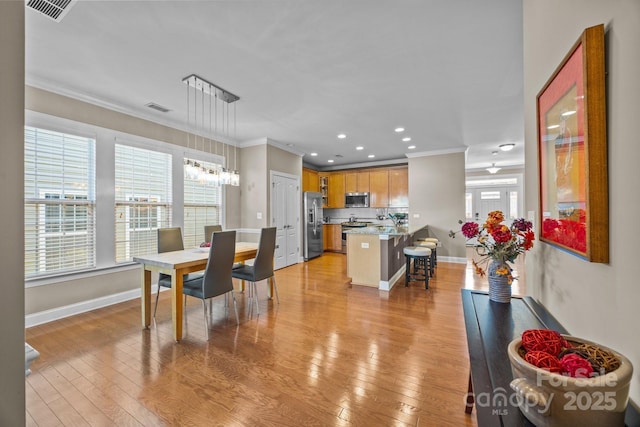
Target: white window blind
<point x="142" y="200"/>
<point x="59" y="202"/>
<point x="202" y="202"/>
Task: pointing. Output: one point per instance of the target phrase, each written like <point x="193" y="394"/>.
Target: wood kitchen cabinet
<point x="336" y="190"/>
<point x="332" y="237"/>
<point x="356" y="182"/>
<point x="310" y="180"/>
<point x="379" y="188"/>
<point x="399" y="187"/>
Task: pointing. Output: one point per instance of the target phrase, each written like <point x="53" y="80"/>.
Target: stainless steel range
<point x="347" y="226"/>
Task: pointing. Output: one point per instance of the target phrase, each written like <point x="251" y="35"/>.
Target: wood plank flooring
<point x="330" y="354"/>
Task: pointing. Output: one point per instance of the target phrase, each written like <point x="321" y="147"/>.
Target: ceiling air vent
<point x="157" y="107"/>
<point x="54" y="9"/>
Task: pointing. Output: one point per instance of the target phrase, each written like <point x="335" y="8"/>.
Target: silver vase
<point x="499" y="286"/>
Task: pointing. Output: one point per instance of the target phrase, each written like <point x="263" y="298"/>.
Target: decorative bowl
<point x="552" y="400"/>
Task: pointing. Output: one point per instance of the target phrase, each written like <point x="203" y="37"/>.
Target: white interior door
<point x="285" y="216"/>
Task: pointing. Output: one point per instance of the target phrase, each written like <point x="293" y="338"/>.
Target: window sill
<point x="66" y="277"/>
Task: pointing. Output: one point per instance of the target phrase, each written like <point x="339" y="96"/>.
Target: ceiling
<point x="449" y="71"/>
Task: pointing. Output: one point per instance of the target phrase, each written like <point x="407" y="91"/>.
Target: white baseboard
<point x="452" y="259"/>
<point x="387" y="285"/>
<point x="81" y="307"/>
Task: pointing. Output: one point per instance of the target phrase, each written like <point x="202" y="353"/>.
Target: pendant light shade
<point x="493" y="169"/>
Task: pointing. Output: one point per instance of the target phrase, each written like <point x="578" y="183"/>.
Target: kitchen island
<point x="375" y="254"/>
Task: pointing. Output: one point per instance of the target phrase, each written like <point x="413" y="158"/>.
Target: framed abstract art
<point x="572" y="152"/>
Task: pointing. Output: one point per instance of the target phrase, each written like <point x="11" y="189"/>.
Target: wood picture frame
<point x="572" y="152"/>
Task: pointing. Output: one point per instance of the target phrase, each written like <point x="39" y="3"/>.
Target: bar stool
<point x="420" y="257"/>
<point x="432" y="258"/>
<point x="435" y="251"/>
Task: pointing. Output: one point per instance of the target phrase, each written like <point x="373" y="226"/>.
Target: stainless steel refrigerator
<point x="312" y="225"/>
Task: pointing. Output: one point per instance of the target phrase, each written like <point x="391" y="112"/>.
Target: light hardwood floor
<point x="330" y="354"/>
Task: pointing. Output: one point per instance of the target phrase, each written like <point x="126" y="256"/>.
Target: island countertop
<point x="385" y="230"/>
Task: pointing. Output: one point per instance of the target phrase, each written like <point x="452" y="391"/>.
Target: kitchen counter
<point x="385" y="230"/>
<point x="375" y="254"/>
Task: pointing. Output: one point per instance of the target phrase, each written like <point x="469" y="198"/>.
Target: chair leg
<point x="275" y="288"/>
<point x="235" y="307"/>
<point x="206" y="321"/>
<point x="255" y="296"/>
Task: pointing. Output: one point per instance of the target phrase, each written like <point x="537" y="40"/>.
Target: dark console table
<point x="490" y="328"/>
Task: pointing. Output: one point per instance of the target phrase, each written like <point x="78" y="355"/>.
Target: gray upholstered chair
<point x="169" y="240"/>
<point x="209" y="230"/>
<point x="262" y="267"/>
<point x="216" y="279"/>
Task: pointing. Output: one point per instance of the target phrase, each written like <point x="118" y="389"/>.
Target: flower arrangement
<point x="497" y="241"/>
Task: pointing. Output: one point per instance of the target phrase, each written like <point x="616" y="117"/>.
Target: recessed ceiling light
<point x="506" y="147"/>
<point x="411" y="147"/>
<point x="553" y="127"/>
<point x="342" y="135"/>
<point x="330" y="161"/>
<point x="399" y="129"/>
<point x="495" y="153"/>
<point x="568" y="113"/>
<point x="313" y="154"/>
<point x="371" y="156"/>
<point x="359" y="147"/>
<point x="406" y="139"/>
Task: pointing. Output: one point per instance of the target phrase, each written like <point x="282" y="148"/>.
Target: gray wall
<point x="253" y="186"/>
<point x="12" y="406"/>
<point x="599" y="302"/>
<point x="436" y="193"/>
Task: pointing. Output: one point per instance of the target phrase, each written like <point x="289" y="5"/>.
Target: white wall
<point x="599" y="302"/>
<point x="436" y="194"/>
<point x="12" y="391"/>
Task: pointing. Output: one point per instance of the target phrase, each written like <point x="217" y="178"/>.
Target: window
<point x="489" y="195"/>
<point x="513" y="204"/>
<point x="59" y="202"/>
<point x="202" y="202"/>
<point x="142" y="200"/>
<point x="468" y="206"/>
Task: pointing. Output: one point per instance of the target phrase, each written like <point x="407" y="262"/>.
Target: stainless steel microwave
<point x="356" y="200"/>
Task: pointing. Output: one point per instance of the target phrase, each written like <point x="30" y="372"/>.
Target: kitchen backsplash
<point x="361" y="214"/>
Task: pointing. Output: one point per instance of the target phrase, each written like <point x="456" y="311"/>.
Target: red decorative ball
<point x="576" y="366"/>
<point x="544" y="360"/>
<point x="543" y="340"/>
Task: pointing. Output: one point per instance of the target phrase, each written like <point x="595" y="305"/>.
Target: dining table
<point x="177" y="264"/>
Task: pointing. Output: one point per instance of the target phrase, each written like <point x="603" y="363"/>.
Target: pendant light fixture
<point x="493" y="169"/>
<point x="193" y="169"/>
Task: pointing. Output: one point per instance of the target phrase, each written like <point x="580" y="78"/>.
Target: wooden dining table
<point x="177" y="264"/>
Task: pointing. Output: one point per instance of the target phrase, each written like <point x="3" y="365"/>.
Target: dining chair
<point x="262" y="267"/>
<point x="209" y="230"/>
<point x="216" y="279"/>
<point x="169" y="240"/>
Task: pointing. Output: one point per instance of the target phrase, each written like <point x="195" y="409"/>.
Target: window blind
<point x="59" y="202"/>
<point x="143" y="200"/>
<point x="201" y="206"/>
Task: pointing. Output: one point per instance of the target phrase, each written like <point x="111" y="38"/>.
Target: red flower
<point x="529" y="236"/>
<point x="470" y="229"/>
<point x="501" y="234"/>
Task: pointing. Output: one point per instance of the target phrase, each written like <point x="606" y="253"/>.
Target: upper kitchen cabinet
<point x="356" y="182"/>
<point x="336" y="191"/>
<point x="310" y="180"/>
<point x="379" y="188"/>
<point x="399" y="187"/>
